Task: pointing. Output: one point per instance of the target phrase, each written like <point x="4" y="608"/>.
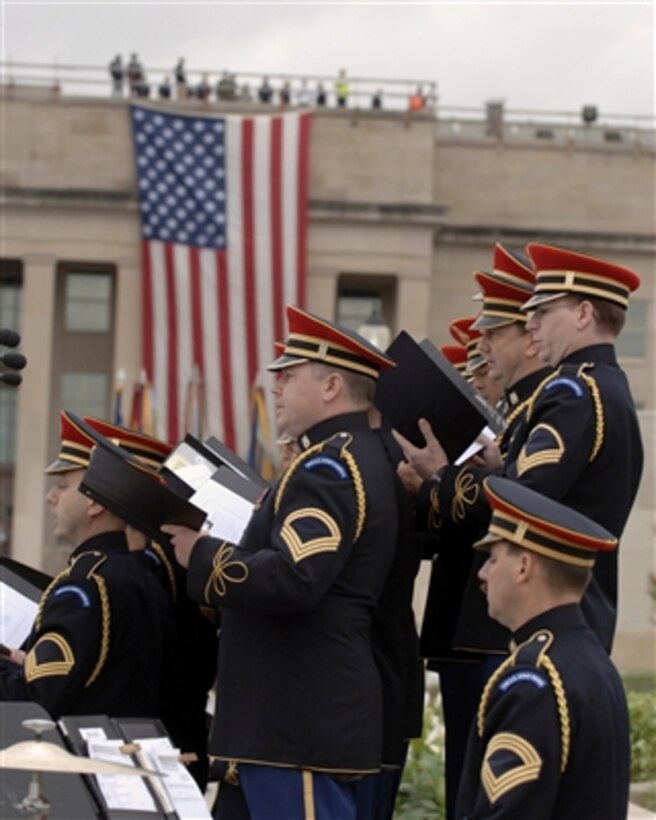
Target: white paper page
<point x="17" y="614"/>
<point x="118" y="791"/>
<point x="184" y="794"/>
<point x="189" y="465"/>
<point x="474" y="447"/>
<point x="227" y="512"/>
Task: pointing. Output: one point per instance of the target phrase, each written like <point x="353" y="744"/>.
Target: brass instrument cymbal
<point x="42" y="756"/>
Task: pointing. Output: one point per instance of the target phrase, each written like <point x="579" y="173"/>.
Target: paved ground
<point x="636" y="813"/>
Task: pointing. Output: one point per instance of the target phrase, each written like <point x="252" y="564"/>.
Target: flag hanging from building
<point x="224" y="213"/>
<point x="142" y="411"/>
<point x="262" y="450"/>
<point x="119" y="384"/>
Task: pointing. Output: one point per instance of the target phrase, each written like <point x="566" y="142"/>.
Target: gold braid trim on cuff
<point x="466" y="492"/>
<point x="224" y="569"/>
<point x="434" y="517"/>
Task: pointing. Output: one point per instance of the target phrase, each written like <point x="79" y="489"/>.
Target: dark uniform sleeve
<point x="457" y="498"/>
<point x="551" y="449"/>
<point x="513" y="771"/>
<point x="565" y="429"/>
<point x="65" y="650"/>
<point x="294" y="547"/>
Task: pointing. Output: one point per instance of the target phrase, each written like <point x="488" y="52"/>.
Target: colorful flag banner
<point x="119" y="387"/>
<point x="194" y="413"/>
<point x="142" y="412"/>
<point x="224" y="219"/>
<point x="262" y="451"/>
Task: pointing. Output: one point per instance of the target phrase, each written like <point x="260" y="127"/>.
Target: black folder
<point x="233" y="461"/>
<point x="221" y="463"/>
<point x="136" y="494"/>
<point x="424" y="384"/>
<point x="31" y="582"/>
<point x="113" y="728"/>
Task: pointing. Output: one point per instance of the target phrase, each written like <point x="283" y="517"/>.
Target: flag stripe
<point x="278" y="301"/>
<point x="147" y="302"/>
<point x="249" y="251"/>
<point x="301" y="214"/>
<point x="224" y="348"/>
<point x="288" y="204"/>
<point x="197" y="323"/>
<point x="181" y="296"/>
<point x="159" y="375"/>
<point x="172" y="357"/>
<point x="262" y="215"/>
<point x="210" y="372"/>
<point x="234" y="292"/>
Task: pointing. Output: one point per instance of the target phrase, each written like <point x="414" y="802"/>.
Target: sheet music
<point x="186" y="798"/>
<point x="119" y="792"/>
<point x="189" y="465"/>
<point x="17" y="614"/>
<point x="227" y="512"/>
<point x="475" y="447"/>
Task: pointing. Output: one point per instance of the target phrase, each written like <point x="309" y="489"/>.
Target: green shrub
<point x="421" y="793"/>
<point x="642" y="715"/>
<point x="640" y="690"/>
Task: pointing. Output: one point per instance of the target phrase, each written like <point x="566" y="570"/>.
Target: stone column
<point x="35" y="411"/>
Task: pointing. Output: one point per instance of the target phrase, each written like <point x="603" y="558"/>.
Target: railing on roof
<point x="95" y="80"/>
<point x="491" y="121"/>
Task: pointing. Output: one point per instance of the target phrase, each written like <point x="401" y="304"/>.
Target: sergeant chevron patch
<point x="310" y="531"/>
<point x="545" y="445"/>
<point x="509" y="761"/>
<point x="50" y="655"/>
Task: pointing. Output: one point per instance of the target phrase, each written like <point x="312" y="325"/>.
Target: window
<point x="632" y="341"/>
<point x="11" y="291"/>
<point x="359" y="296"/>
<point x="353" y="309"/>
<point x="84" y="339"/>
<point x="88" y="302"/>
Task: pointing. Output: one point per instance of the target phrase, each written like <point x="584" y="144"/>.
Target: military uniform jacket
<point x="394" y="636"/>
<point x="579" y="443"/>
<point x="192" y="670"/>
<point x="456" y="625"/>
<point x="297" y="682"/>
<point x="551" y="739"/>
<point x="98" y="640"/>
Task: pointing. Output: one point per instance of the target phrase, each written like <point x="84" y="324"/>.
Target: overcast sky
<point x="548" y="56"/>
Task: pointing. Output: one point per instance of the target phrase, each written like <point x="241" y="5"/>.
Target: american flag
<point x="224" y="219"/>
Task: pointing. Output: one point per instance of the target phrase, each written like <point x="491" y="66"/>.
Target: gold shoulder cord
<point x="544" y="662"/>
<point x="598" y="408"/>
<point x="163" y="557"/>
<point x="534" y="396"/>
<point x="356" y="477"/>
<point x="563" y="710"/>
<point x="487" y="692"/>
<point x="596" y="402"/>
<point x="105" y="614"/>
<point x="510" y="420"/>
